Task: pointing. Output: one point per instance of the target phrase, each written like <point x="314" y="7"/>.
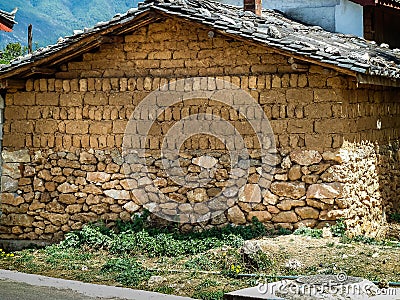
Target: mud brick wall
<point x="62" y="138"/>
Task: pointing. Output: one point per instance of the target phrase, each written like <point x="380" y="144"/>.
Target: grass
<point x="202" y="265"/>
<point x="395" y="217"/>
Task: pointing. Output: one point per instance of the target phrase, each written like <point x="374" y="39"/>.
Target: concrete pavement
<point x="21" y="286"/>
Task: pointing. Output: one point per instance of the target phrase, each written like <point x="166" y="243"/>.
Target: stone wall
<point x="63" y="137"/>
<point x="48" y="193"/>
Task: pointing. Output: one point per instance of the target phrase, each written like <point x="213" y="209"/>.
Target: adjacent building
<point x="7" y="21"/>
<point x="374" y="20"/>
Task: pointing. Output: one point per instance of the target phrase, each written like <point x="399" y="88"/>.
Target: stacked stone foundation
<point x="47" y="194"/>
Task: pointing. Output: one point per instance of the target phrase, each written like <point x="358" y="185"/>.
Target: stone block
<point x="305" y="157"/>
<point x="332" y="126"/>
<point x="131" y="207"/>
<point x="300" y="126"/>
<point x="289" y="204"/>
<point x="205" y="161"/>
<point x="285" y="217"/>
<point x="11" y="199"/>
<point x="250" y="193"/>
<point x="269" y="198"/>
<point x="197" y="195"/>
<point x="12" y="170"/>
<point x="324" y="191"/>
<point x="67" y="199"/>
<point x="97" y="99"/>
<point x="98" y="177"/>
<point x="18" y="220"/>
<point x="236" y="216"/>
<point x="67" y="188"/>
<point x="302" y="96"/>
<point x="20" y="156"/>
<point x="15" y="113"/>
<point x="307" y="212"/>
<point x="262" y="216"/>
<point x="292" y="190"/>
<point x="87" y="158"/>
<point x="9" y="184"/>
<point x="119" y="126"/>
<point x="310" y="223"/>
<point x="295" y="172"/>
<point x="118" y="194"/>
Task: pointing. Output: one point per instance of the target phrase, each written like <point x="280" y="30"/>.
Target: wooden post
<point x="254" y="6"/>
<point x="30" y="38"/>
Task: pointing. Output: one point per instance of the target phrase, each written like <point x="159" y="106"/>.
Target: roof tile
<point x="271" y="29"/>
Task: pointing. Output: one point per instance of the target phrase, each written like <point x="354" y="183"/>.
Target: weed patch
<point x="126" y="271"/>
<point x="306" y="231"/>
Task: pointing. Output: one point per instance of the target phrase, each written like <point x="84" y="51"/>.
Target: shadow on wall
<point x="370" y="175"/>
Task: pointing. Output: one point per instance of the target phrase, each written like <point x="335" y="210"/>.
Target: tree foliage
<point x="11" y="51"/>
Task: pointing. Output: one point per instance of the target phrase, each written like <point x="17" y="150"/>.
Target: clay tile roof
<point x="351" y="54"/>
<point x="7" y="21"/>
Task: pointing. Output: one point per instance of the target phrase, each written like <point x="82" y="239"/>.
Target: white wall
<point x="349" y="18"/>
<point x="333" y="15"/>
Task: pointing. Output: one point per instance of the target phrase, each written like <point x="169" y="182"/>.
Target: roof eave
<point x="5" y="27"/>
<point x="377" y="80"/>
<point x="386" y="3"/>
<point x="81" y="46"/>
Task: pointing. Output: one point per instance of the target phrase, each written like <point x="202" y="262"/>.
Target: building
<point x="381" y="21"/>
<point x="71" y="119"/>
<point x="7" y="21"/>
<point x="373" y="20"/>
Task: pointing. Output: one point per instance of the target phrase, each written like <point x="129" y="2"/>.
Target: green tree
<point x="11" y="51"/>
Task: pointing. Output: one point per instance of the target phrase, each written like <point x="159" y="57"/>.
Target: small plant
<point x="234" y="270"/>
<point x="306" y="231"/>
<point x="284" y="231"/>
<point x="395" y="217"/>
<point x="201" y="262"/>
<point x="138" y="223"/>
<point x="127" y="271"/>
<point x="339" y="229"/>
<point x="208" y="295"/>
<point x="259" y="261"/>
<point x="206" y="284"/>
<point x="3" y="254"/>
<point x="137" y="236"/>
<point x="164" y="289"/>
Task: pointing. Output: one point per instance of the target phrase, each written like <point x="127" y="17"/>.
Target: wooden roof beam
<point x="17" y="84"/>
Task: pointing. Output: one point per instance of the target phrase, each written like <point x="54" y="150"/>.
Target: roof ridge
<point x="9" y="16"/>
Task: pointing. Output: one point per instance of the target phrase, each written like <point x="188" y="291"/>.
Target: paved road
<point x="21" y="286"/>
<point x="11" y="290"/>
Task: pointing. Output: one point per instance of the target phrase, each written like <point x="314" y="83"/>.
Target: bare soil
<point x="208" y="275"/>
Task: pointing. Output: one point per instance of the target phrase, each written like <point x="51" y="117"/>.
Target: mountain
<point x="52" y="19"/>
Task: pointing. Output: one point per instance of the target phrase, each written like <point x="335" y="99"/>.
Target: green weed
<point x="306" y="231"/>
<point x="208" y="295"/>
<point x="127" y="271"/>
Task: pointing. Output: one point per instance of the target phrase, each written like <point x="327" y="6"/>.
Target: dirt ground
<point x="207" y="275"/>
